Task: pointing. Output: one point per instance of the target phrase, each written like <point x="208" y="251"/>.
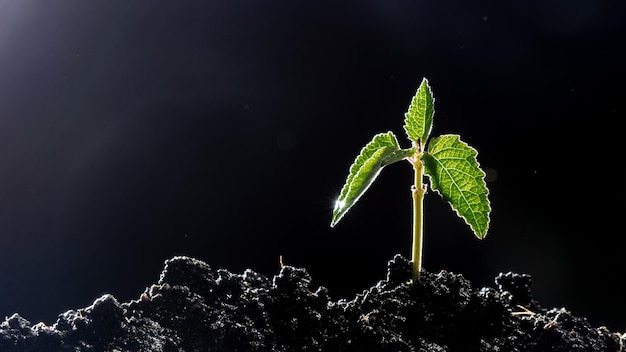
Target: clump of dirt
<point x="195" y="308"/>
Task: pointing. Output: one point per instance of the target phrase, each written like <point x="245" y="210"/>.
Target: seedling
<point x="450" y="164"/>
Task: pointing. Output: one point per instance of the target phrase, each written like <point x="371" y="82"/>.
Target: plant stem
<point x="418" y="190"/>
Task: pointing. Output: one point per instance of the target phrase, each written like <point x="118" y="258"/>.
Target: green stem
<point x="418" y="191"/>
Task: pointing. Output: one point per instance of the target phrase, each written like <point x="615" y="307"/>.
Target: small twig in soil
<point x="525" y="311"/>
<point x="552" y="323"/>
<point x="366" y="318"/>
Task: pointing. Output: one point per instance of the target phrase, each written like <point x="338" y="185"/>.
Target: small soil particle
<point x="195" y="308"/>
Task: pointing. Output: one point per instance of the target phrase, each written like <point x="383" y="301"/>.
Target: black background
<point x="133" y="131"/>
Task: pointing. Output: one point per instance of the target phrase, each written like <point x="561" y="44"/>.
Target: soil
<point x="193" y="307"/>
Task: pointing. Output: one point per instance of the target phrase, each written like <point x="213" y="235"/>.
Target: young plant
<point x="450" y="164"/>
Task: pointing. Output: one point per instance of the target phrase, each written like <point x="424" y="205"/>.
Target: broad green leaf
<point x="379" y="152"/>
<point x="398" y="155"/>
<point x="455" y="173"/>
<point x="418" y="120"/>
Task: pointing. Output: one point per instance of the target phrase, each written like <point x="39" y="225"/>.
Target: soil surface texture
<point x="196" y="308"/>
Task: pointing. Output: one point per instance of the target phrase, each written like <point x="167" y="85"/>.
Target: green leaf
<point x="454" y="172"/>
<point x="398" y="155"/>
<point x="418" y="120"/>
<point x="379" y="152"/>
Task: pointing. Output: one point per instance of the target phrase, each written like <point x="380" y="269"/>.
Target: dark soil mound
<point x="195" y="308"/>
